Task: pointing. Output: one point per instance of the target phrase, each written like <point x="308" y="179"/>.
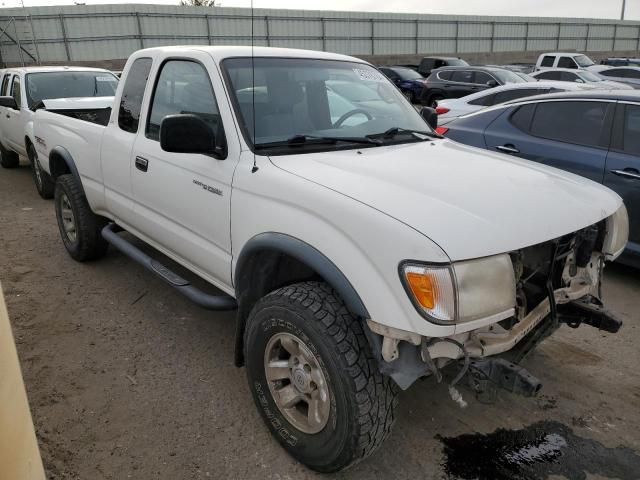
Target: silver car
<point x="628" y="74"/>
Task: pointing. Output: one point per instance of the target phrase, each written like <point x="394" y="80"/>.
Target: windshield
<point x="589" y="77"/>
<point x="456" y="62"/>
<point x="583" y="61"/>
<point x="283" y="98"/>
<point x="507" y="76"/>
<point x="50" y="85"/>
<point x="408" y="74"/>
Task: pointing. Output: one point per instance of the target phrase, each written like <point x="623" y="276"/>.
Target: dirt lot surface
<point x="127" y="379"/>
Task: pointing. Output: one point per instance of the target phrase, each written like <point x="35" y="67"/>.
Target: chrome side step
<point x="205" y="300"/>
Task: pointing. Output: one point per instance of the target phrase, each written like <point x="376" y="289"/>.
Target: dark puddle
<point x="534" y="453"/>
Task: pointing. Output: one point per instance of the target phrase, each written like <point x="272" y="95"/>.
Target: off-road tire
<point x="8" y="159"/>
<point x="88" y="243"/>
<point x="44" y="184"/>
<point x="362" y="399"/>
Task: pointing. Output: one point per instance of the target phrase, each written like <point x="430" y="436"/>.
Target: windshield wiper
<point x="298" y="140"/>
<point x="393" y="131"/>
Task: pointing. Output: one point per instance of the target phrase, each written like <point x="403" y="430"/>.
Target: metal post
<point x="526" y="37"/>
<point x="266" y="30"/>
<point x="18" y="42"/>
<point x="493" y="34"/>
<point x="206" y="19"/>
<point x="139" y="23"/>
<point x="558" y="37"/>
<point x="373" y="47"/>
<point x="622" y="11"/>
<point x="638" y="41"/>
<point x="324" y="34"/>
<point x="615" y="36"/>
<point x="417" y="46"/>
<point x="457" y="35"/>
<point x="586" y="41"/>
<point x="64" y="36"/>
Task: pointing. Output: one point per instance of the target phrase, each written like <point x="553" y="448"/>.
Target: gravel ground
<point x="127" y="379"/>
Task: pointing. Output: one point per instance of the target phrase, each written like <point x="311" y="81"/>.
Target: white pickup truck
<point x="22" y="91"/>
<point x="361" y="250"/>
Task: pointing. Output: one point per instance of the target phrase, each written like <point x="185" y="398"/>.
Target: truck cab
<point x="564" y="60"/>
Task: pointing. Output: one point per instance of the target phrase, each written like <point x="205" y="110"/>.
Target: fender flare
<point x="308" y="255"/>
<point x="64" y="154"/>
<point x="303" y="252"/>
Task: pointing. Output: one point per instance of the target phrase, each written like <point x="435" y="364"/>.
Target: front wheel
<point x="80" y="228"/>
<point x="44" y="183"/>
<point x="8" y="159"/>
<point x="314" y="379"/>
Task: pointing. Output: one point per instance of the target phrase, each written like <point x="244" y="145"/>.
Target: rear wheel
<point x="8" y="159"/>
<point x="79" y="227"/>
<point x="314" y="379"/>
<point x="44" y="183"/>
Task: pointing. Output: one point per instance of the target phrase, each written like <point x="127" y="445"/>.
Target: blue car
<point x="407" y="80"/>
<point x="595" y="134"/>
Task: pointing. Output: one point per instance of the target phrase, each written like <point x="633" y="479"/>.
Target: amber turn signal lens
<point x="423" y="290"/>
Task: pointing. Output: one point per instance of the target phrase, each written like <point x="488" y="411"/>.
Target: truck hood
<point x="471" y="202"/>
<point x="78" y="103"/>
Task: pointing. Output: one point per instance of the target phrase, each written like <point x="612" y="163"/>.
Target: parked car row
<point x="334" y="220"/>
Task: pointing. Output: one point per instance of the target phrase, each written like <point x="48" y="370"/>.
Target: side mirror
<point x="492" y="83"/>
<point x="430" y="116"/>
<point x="8" y="102"/>
<point x="187" y="133"/>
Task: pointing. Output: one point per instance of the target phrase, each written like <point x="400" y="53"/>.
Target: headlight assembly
<point x="463" y="291"/>
<point x="617" y="233"/>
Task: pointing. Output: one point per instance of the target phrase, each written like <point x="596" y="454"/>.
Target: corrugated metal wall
<point x="103" y="32"/>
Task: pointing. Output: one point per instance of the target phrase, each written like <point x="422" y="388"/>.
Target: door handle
<point x="142" y="164"/>
<point x="627" y="173"/>
<point x="508" y="148"/>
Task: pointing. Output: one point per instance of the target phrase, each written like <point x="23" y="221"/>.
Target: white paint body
<point x="556" y="59"/>
<point x="366" y="210"/>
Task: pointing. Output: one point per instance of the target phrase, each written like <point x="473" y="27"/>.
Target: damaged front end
<point x="556" y="282"/>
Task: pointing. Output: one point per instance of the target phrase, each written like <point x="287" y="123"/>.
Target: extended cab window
<point x="183" y="86"/>
<point x="16" y="91"/>
<point x="132" y="94"/>
<point x="547" y="61"/>
<point x="5" y="80"/>
<point x="579" y="123"/>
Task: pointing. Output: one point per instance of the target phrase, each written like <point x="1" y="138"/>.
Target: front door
<point x="13" y="123"/>
<point x="183" y="200"/>
<point x="622" y="173"/>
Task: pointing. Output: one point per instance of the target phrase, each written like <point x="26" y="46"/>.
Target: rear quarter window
<point x="446" y="75"/>
<point x="521" y="118"/>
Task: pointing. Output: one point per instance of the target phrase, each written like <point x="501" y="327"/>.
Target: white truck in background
<point x="361" y="250"/>
<point x="22" y="91"/>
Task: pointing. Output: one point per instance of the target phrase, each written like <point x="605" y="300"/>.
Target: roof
<point x="55" y="68"/>
<point x="221" y="52"/>
<point x="568" y="54"/>
<point x="572" y="70"/>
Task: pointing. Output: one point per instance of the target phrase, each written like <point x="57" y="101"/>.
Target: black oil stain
<point x="533" y="453"/>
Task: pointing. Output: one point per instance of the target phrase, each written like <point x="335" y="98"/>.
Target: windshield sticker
<point x="368" y="75"/>
<point x="105" y="79"/>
